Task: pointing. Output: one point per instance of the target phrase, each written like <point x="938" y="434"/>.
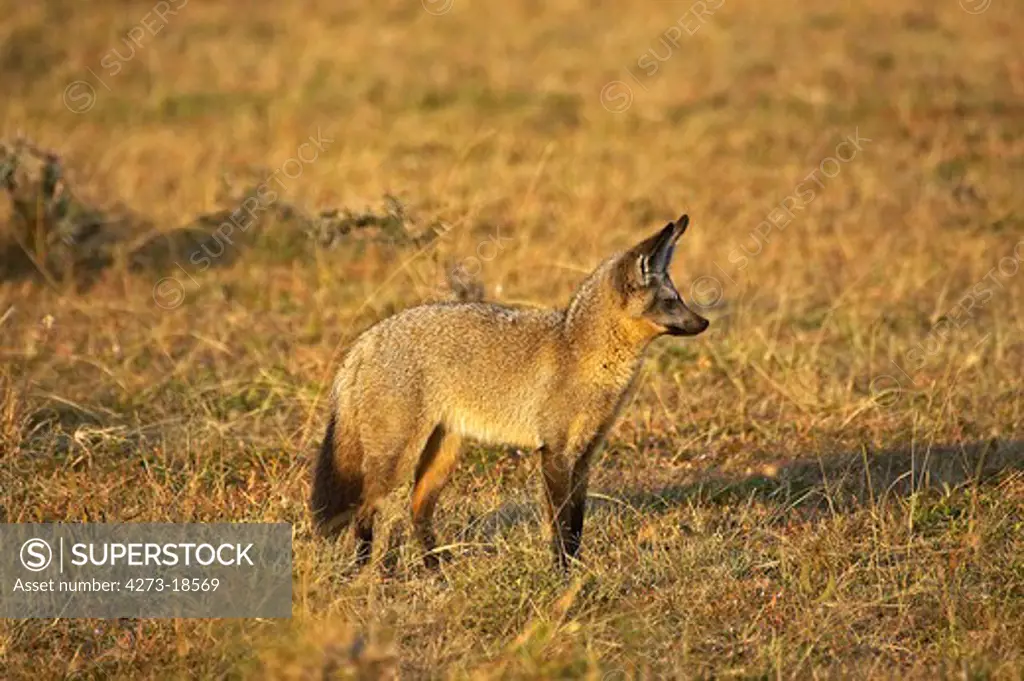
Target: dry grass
<point x="779" y="500"/>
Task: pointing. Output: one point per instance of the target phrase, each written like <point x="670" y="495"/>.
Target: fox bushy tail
<point x="337" y="480"/>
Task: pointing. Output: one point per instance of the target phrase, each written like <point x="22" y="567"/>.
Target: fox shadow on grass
<point x="840" y="482"/>
<point x="847" y="481"/>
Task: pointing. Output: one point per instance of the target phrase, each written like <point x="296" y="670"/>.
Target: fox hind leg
<point x="383" y="459"/>
<point x="364" y="533"/>
<point x="432" y="472"/>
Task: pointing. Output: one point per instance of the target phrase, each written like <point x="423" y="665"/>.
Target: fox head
<point x="646" y="291"/>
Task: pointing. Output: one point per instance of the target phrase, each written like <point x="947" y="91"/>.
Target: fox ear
<point x="681" y="224"/>
<point x="655" y="253"/>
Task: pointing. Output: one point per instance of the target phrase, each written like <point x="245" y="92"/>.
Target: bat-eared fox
<point x="415" y="384"/>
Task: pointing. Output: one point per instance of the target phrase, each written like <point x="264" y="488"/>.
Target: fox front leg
<point x="557" y="492"/>
<point x="565" y="485"/>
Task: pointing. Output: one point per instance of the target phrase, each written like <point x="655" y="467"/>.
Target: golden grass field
<point x="828" y="483"/>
